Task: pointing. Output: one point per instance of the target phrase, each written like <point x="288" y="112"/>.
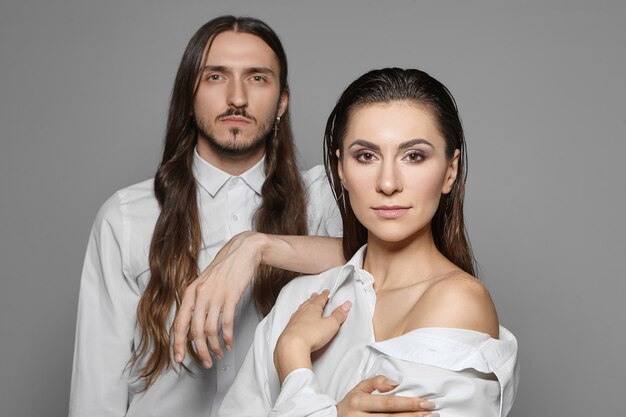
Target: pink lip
<point x="390" y="212"/>
<point x="236" y="120"/>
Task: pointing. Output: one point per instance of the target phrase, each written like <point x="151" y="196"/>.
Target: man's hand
<point x="361" y="402"/>
<point x="216" y="293"/>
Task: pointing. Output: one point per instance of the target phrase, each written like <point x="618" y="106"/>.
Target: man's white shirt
<point x="116" y="272"/>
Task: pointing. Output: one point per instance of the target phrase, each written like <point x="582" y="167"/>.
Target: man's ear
<point x="451" y="172"/>
<point x="283" y="102"/>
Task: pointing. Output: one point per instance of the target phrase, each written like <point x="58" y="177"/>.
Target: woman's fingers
<point x="361" y="398"/>
<point x="340" y="314"/>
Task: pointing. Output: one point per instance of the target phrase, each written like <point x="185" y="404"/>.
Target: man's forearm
<point x="304" y="254"/>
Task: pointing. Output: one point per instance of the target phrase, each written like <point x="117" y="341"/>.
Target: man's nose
<point x="237" y="95"/>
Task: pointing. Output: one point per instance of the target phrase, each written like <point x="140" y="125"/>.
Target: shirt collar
<point x="212" y="179"/>
<point x="354" y="267"/>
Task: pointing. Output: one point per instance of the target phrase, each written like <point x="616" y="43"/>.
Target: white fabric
<point x="116" y="272"/>
<point x="466" y="373"/>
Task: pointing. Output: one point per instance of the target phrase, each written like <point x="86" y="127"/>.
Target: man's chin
<point x="238" y="148"/>
<point x="234" y="143"/>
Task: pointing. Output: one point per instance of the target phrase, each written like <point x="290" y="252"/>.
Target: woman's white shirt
<point x="466" y="373"/>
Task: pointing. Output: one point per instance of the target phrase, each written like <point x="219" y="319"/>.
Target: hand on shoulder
<point x="458" y="301"/>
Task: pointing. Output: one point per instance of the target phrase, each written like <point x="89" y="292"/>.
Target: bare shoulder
<point x="459" y="300"/>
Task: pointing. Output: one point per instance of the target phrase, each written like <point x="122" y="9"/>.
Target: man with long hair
<point x="228" y="168"/>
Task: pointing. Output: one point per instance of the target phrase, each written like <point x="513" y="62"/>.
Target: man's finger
<point x="182" y="321"/>
<point x="211" y="328"/>
<point x="198" y="335"/>
<point x="228" y="321"/>
<point x="198" y="322"/>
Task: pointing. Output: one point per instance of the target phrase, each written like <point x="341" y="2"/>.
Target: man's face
<point x="238" y="95"/>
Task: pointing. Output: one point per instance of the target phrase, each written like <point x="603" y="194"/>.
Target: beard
<point x="231" y="147"/>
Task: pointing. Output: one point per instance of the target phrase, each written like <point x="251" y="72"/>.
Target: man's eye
<point x="258" y="78"/>
<point x="213" y="77"/>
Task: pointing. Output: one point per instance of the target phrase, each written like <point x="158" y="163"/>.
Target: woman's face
<point x="394" y="167"/>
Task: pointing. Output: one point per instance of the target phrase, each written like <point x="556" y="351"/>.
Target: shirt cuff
<point x="301" y="395"/>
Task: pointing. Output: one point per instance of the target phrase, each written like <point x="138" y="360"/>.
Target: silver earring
<point x="276" y="123"/>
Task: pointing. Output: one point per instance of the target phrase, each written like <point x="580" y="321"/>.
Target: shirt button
<point x="235" y="217"/>
<point x="236" y="180"/>
<point x="225" y="368"/>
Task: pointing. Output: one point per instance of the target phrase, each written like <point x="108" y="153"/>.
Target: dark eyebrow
<point x="403" y="145"/>
<point x="259" y="70"/>
<point x="218" y="68"/>
<point x="413" y="142"/>
<point x="364" y="143"/>
<point x="251" y="70"/>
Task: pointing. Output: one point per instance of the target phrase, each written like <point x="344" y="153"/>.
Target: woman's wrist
<point x="291" y="354"/>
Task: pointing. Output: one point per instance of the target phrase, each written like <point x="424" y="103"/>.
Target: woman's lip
<point x="390" y="212"/>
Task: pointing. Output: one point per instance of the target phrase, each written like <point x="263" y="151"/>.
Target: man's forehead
<point x="240" y="50"/>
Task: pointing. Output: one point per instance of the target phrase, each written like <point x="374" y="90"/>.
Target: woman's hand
<point x="306" y="332"/>
<point x="361" y="402"/>
<point x="216" y="292"/>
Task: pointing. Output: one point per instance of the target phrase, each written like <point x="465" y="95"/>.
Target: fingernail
<point x="206" y="364"/>
<point x="427" y="405"/>
<point x="391" y="382"/>
<point x="178" y="358"/>
<point x="228" y="348"/>
<point x="314" y="294"/>
<point x="432" y="415"/>
<point x="346" y="306"/>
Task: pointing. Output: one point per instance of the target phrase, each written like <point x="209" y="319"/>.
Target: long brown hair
<point x="177" y="236"/>
<point x="395" y="84"/>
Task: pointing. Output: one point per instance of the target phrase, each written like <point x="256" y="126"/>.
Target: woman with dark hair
<point x="406" y="305"/>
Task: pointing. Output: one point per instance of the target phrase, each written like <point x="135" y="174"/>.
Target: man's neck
<point x="235" y="165"/>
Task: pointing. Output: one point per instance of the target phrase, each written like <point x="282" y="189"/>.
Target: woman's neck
<point x="400" y="264"/>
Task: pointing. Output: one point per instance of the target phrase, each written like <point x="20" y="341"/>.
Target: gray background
<point x="84" y="89"/>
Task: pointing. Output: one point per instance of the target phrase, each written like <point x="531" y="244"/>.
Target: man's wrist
<point x="261" y="243"/>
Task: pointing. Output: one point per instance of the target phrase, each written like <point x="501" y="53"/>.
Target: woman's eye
<point x="365" y="157"/>
<point x="414" y="156"/>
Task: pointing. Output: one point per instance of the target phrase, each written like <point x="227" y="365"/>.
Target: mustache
<point x="234" y="111"/>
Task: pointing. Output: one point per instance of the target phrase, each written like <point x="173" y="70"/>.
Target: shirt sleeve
<point x="105" y="323"/>
<point x="257" y="391"/>
<point x="324" y="218"/>
<point x="301" y="395"/>
<point x="465" y="393"/>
